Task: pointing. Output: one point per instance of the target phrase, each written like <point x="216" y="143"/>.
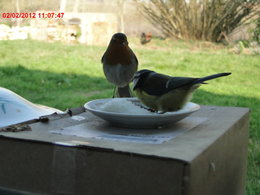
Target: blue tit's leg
<point x="149" y="109"/>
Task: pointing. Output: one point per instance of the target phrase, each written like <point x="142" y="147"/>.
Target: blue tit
<point x="164" y="93"/>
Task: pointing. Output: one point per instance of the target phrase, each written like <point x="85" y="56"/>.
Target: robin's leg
<point x="114" y="93"/>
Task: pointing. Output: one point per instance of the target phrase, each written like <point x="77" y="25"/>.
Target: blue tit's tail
<point x="201" y="80"/>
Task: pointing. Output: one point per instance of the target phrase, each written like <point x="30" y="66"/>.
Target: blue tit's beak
<point x="135" y="82"/>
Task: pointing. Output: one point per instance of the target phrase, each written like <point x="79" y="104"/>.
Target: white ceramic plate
<point x="138" y="120"/>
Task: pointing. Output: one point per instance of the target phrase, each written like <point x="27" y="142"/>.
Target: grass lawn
<point x="65" y="76"/>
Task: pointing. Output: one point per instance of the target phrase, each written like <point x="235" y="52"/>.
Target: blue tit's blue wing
<point x="177" y="82"/>
<point x="155" y="84"/>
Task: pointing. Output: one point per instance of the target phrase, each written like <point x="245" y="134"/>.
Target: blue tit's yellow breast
<point x="148" y="100"/>
<point x="171" y="101"/>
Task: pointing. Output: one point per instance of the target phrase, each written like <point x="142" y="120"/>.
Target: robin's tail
<point x="123" y="92"/>
<point x="201" y="80"/>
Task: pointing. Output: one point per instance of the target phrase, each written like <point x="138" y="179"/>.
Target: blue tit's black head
<point x="139" y="77"/>
<point x="119" y="38"/>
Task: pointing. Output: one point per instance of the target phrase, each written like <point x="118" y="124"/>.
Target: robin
<point x="119" y="65"/>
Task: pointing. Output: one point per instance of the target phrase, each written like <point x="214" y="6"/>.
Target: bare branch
<point x="198" y="19"/>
